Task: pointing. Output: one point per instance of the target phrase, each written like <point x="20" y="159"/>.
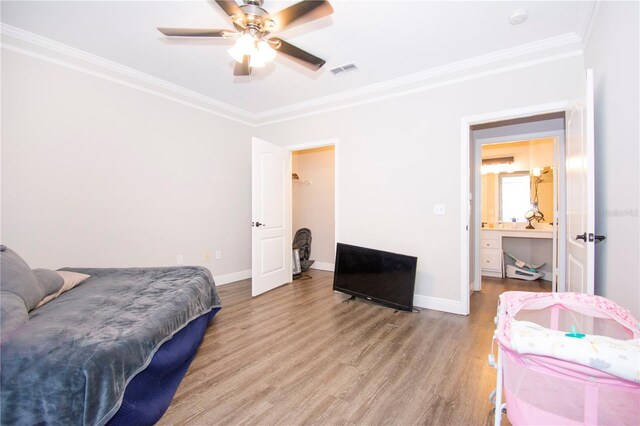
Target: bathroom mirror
<point x="515" y="174"/>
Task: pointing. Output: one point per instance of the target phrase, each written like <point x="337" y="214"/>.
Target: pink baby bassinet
<point x="566" y="359"/>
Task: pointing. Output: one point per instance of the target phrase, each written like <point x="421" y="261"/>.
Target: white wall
<point x="98" y="174"/>
<point x="613" y="53"/>
<point x="313" y="204"/>
<point x="400" y="156"/>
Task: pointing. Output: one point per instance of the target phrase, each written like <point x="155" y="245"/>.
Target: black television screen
<point x="380" y="276"/>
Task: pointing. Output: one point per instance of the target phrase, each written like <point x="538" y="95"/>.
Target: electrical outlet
<point x="180" y="260"/>
<point x="218" y="254"/>
<point x="438" y="209"/>
<point x="207" y="256"/>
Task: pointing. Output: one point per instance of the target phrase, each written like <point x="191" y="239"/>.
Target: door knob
<point x="596" y="237"/>
<point x="257" y="224"/>
<point x="582" y="237"/>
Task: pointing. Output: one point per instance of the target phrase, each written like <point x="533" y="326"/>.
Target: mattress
<point x="71" y="362"/>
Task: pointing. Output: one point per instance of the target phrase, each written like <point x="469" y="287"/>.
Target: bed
<point x="111" y="350"/>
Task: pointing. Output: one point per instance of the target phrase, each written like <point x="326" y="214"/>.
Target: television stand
<point x="348" y="299"/>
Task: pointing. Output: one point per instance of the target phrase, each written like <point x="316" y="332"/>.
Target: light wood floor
<point x="297" y="355"/>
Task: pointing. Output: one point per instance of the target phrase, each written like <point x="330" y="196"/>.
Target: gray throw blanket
<point x="70" y="362"/>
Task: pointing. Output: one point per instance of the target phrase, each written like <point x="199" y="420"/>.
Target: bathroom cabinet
<point x="492" y="244"/>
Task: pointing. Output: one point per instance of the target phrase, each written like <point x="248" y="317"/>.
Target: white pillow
<point x="71" y="279"/>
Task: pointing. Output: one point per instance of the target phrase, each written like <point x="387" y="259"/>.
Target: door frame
<point x="336" y="171"/>
<point x="465" y="175"/>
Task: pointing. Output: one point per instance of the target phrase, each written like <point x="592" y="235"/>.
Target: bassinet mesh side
<point x="536" y="397"/>
<point x="546" y="390"/>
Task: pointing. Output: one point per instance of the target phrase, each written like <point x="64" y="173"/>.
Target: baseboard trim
<point x="419" y="300"/>
<point x="438" y="304"/>
<point x="232" y="277"/>
<point x="323" y="266"/>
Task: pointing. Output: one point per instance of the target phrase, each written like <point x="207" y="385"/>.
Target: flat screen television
<point x="379" y="276"/>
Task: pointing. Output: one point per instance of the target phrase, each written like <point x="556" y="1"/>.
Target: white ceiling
<point x="387" y="40"/>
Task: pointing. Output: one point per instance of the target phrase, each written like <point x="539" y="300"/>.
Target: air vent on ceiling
<point x="344" y="68"/>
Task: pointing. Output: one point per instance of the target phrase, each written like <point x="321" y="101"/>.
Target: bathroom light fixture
<point x="497" y="165"/>
<point x="497" y="160"/>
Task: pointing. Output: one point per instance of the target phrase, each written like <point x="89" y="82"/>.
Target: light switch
<point x="438" y="209"/>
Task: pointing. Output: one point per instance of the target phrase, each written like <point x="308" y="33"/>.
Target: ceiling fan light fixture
<point x="245" y="46"/>
<point x="259" y="52"/>
<point x="253" y="29"/>
<point x="256" y="62"/>
<point x="265" y="51"/>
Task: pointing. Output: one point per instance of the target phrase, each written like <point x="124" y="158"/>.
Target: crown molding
<point x="72" y="52"/>
<point x="106" y="77"/>
<point x="454" y="67"/>
<point x="427" y="86"/>
<point x="374" y="92"/>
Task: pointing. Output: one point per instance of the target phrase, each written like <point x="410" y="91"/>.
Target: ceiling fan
<point x="254" y="26"/>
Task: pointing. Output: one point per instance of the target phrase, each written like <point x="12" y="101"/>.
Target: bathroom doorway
<point x="518" y="193"/>
<point x="518" y="189"/>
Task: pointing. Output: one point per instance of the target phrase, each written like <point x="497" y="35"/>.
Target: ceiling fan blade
<point x="194" y="32"/>
<point x="230" y="7"/>
<point x="242" y="68"/>
<point x="305" y="58"/>
<point x="307" y="9"/>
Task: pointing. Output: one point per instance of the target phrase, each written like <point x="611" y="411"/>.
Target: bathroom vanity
<point x="531" y="245"/>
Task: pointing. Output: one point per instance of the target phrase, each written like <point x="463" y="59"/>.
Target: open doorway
<point x="313" y="202"/>
<point x="518" y="188"/>
<point x="517" y="174"/>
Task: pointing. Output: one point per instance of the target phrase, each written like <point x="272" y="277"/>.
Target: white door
<point x="580" y="195"/>
<point x="271" y="217"/>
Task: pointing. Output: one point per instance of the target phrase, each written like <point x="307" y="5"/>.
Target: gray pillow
<point x="50" y="281"/>
<point x="16" y="277"/>
<point x="13" y="313"/>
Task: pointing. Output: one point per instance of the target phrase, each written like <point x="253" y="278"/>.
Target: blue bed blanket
<point x="70" y="362"/>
